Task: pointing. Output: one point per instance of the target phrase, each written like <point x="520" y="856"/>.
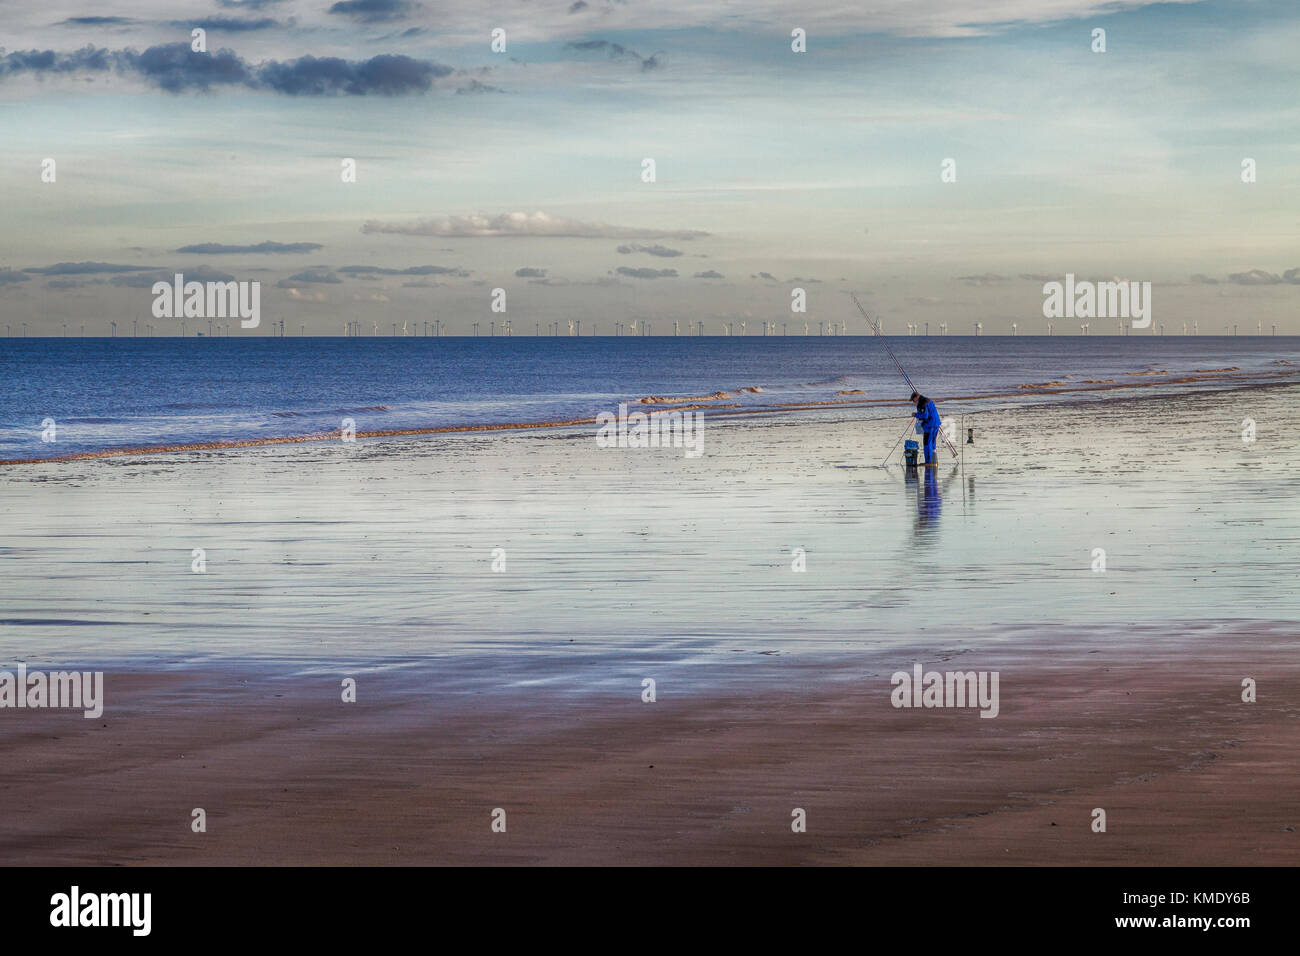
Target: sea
<point x="101" y="394"/>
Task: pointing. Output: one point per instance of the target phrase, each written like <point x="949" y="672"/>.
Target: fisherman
<point x="927" y="422"/>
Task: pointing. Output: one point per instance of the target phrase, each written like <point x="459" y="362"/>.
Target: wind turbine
<point x="114" y="324"/>
<point x="1013" y="329"/>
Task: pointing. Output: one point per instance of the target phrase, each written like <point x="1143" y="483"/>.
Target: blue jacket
<point x="927" y="417"/>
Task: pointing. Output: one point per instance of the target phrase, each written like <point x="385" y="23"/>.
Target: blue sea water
<point x="124" y="392"/>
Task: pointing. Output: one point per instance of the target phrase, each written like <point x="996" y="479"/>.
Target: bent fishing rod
<point x="897" y="364"/>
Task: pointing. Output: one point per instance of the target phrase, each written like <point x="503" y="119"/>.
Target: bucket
<point x="910" y="450"/>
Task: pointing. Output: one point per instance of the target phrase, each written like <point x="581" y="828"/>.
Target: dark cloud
<point x="654" y="249"/>
<point x="372" y="11"/>
<point x="412" y="271"/>
<point x="616" y="51"/>
<point x="8" y="276"/>
<point x="987" y="278"/>
<point x="527" y="272"/>
<point x="474" y="86"/>
<point x="82" y="268"/>
<point x="1202" y="279"/>
<point x="176" y="68"/>
<point x="578" y="5"/>
<point x="319" y="274"/>
<point x="766" y="275"/>
<point x="47" y="61"/>
<point x="805" y="281"/>
<point x="1292" y="276"/>
<point x="647" y="273"/>
<point x="1254" y="277"/>
<point x="96" y="21"/>
<point x="246" y="4"/>
<point x="387" y="75"/>
<point x="217" y="248"/>
<point x="711" y="274"/>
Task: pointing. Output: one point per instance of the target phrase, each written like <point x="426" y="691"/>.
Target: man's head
<point x="915" y="396"/>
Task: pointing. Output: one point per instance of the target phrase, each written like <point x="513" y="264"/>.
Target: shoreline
<point x="657" y="405"/>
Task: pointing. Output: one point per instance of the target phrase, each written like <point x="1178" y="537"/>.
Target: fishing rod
<point x="897" y="364"/>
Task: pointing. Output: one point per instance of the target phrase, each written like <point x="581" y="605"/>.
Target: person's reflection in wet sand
<point x="929" y="499"/>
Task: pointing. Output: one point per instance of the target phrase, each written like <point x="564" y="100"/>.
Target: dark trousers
<point x="930" y="438"/>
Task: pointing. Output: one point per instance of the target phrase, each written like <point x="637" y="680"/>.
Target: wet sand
<point x="522" y="690"/>
<point x="411" y="772"/>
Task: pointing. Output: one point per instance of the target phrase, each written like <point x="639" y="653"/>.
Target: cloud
<point x="1292" y="276"/>
<point x="474" y="86"/>
<point x="246" y="4"/>
<point x="537" y="224"/>
<point x="653" y="250"/>
<point x="766" y="275"/>
<point x="360" y="271"/>
<point x="1254" y="277"/>
<point x="96" y="21"/>
<point x="218" y="249"/>
<point x="319" y="274"/>
<point x="711" y="274"/>
<point x="616" y="51"/>
<point x="82" y="268"/>
<point x="8" y="276"/>
<point x="372" y="11"/>
<point x="529" y="273"/>
<point x="578" y="5"/>
<point x="386" y="75"/>
<point x="987" y="278"/>
<point x="176" y="68"/>
<point x="1035" y="277"/>
<point x="647" y="273"/>
<point x="1203" y="279"/>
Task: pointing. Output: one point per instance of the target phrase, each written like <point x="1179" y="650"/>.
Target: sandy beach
<point x="521" y="689"/>
<point x="411" y="773"/>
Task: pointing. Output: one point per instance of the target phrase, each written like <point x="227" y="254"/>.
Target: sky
<point x="523" y="169"/>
